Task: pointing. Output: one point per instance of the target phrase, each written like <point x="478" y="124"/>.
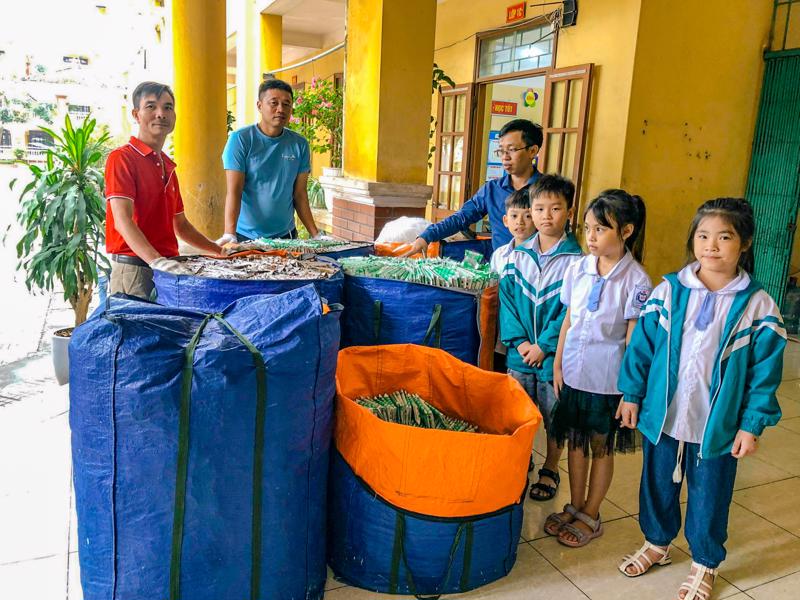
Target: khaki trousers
<point x="132" y="280"/>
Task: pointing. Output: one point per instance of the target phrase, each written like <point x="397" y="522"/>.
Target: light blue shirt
<point x="270" y="166"/>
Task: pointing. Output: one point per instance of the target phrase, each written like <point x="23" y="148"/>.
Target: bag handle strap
<point x="183" y="458"/>
<point x="434" y="325"/>
<point x="399" y="555"/>
<point x="377" y="312"/>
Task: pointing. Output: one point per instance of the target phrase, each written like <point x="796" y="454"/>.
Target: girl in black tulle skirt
<point x="604" y="293"/>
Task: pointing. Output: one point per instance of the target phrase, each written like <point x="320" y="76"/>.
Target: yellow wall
<point x="694" y="102"/>
<point x="457" y="21"/>
<point x="605" y="35"/>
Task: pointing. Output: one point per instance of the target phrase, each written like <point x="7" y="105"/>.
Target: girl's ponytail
<point x="635" y="243"/>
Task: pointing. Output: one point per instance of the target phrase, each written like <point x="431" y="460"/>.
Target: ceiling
<point x="308" y="26"/>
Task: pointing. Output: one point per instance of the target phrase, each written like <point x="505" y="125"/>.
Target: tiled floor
<point x="37" y="524"/>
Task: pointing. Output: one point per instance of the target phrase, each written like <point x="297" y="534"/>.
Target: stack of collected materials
<point x="438" y="302"/>
<point x="410" y="409"/>
<point x="213" y="283"/>
<point x="334" y="249"/>
<point x="200" y="445"/>
<point x="426" y="510"/>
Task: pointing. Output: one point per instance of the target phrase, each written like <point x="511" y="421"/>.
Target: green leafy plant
<point x="62" y="213"/>
<point x="318" y="118"/>
<point x="19" y="153"/>
<point x="230" y="120"/>
<point x="439" y="78"/>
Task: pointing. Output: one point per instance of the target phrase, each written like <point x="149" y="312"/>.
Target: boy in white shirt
<point x="519" y="222"/>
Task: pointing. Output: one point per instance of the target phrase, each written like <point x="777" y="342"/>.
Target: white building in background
<point x="83" y="57"/>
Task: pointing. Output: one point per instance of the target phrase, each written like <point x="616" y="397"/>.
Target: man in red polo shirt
<point x="145" y="209"/>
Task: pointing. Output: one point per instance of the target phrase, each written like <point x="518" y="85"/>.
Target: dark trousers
<point x="290" y="235"/>
<point x="710" y="486"/>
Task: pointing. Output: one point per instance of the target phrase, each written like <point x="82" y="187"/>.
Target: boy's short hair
<point x="150" y="87"/>
<point x="274" y="84"/>
<point x="519" y="199"/>
<point x="554" y="185"/>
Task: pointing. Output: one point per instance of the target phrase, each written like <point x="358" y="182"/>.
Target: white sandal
<point x="696" y="586"/>
<point x="642" y="561"/>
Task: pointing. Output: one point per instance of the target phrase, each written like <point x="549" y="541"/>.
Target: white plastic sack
<point x="402" y="230"/>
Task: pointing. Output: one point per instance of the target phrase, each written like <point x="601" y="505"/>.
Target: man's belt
<point x="128" y="260"/>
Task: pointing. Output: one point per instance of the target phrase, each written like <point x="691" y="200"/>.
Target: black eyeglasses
<point x="500" y="152"/>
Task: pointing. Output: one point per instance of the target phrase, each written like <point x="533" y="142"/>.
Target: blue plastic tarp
<point x="386" y="311"/>
<point x="212" y="295"/>
<point x="377" y="546"/>
<point x="133" y="430"/>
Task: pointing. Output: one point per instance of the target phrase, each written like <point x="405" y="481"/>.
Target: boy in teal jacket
<point x="531" y="312"/>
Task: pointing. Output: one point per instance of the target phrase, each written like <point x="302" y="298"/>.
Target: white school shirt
<point x="502" y="256"/>
<point x="595" y="341"/>
<point x="688" y="412"/>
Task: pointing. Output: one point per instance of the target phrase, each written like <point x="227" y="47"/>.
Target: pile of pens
<point x="405" y="408"/>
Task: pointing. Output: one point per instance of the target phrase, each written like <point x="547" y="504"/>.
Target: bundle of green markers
<point x="469" y="274"/>
<point x="406" y="408"/>
<point x="300" y="246"/>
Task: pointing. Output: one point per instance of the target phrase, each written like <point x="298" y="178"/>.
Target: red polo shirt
<point x="137" y="172"/>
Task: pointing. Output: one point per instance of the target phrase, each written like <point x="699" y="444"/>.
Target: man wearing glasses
<point x="520" y="141"/>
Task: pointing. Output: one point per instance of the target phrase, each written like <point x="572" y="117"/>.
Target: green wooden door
<point x="773" y="185"/>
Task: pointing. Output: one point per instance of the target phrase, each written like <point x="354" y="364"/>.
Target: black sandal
<point x="546" y="492"/>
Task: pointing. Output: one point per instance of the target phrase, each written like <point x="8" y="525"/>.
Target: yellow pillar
<point x="199" y="84"/>
<point x="248" y="62"/>
<point x="271" y="42"/>
<point x="388" y="89"/>
<point x="259" y="41"/>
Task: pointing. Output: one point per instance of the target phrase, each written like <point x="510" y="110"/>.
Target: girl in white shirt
<point x="604" y="293"/>
<point x="699" y="379"/>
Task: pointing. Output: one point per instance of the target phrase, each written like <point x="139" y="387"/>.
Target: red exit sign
<point x="504" y="108"/>
<point x="515" y="12"/>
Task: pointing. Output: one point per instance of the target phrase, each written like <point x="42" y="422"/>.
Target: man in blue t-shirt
<point x="520" y="141"/>
<point x="266" y="172"/>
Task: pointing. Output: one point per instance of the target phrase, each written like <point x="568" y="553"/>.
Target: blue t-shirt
<point x="270" y="166"/>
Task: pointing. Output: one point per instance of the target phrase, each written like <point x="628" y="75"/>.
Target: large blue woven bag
<point x="200" y="446"/>
<point x="377" y="546"/>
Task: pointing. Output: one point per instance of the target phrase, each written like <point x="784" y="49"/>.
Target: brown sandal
<point x="584" y="537"/>
<point x="555" y="521"/>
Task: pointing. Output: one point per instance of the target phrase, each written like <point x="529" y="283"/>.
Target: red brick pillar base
<point x="362" y="208"/>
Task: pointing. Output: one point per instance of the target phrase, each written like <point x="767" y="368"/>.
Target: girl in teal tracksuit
<point x="699" y="380"/>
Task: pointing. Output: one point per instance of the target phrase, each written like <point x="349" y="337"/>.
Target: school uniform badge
<point x="640" y="295"/>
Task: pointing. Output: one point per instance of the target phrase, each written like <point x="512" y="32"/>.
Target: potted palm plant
<point x="62" y="214"/>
